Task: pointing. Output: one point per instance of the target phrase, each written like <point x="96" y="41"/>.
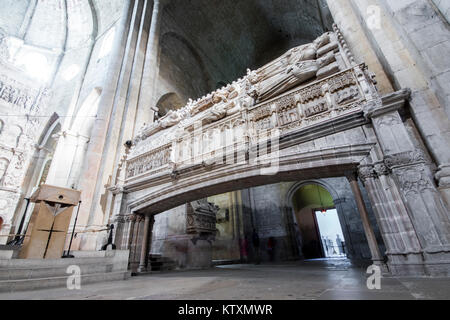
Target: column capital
<point x="366" y="172"/>
<point x="381" y="169"/>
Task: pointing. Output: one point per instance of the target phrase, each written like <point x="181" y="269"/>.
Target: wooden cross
<point x="50" y="232"/>
<point x="57" y="210"/>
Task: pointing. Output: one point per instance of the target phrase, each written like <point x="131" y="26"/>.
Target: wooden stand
<point x="47" y="230"/>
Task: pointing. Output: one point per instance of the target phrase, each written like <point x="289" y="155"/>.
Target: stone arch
<point x="49" y="129"/>
<point x="337" y="200"/>
<point x="167" y="102"/>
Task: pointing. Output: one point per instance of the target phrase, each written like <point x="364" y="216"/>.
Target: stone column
<point x="403" y="247"/>
<point x="145" y="111"/>
<point x="127" y="241"/>
<point x="94" y="154"/>
<point x="412" y="174"/>
<point x="144" y="246"/>
<point x="370" y="235"/>
<point x="409" y="45"/>
<point x="136" y="236"/>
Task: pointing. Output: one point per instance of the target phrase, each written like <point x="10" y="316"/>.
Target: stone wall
<point x="22" y="106"/>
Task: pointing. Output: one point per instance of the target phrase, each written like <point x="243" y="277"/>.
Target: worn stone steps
<point x="33" y="274"/>
<point x="59" y="281"/>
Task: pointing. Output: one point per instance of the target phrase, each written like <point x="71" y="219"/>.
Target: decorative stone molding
<point x="121" y="219"/>
<point x="347" y="52"/>
<point x="366" y="172"/>
<point x="404" y="159"/>
<point x="148" y="162"/>
<point x="388" y="103"/>
<point x="413" y="180"/>
<point x="339" y="201"/>
<point x="381" y="169"/>
<point x="307" y="106"/>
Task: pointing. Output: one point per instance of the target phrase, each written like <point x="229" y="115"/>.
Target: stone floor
<point x="335" y="279"/>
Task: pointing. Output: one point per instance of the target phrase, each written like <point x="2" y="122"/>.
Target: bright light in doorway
<point x="331" y="234"/>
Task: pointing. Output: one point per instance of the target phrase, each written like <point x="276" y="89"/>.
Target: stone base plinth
<point x="420" y="264"/>
<point x="199" y="254"/>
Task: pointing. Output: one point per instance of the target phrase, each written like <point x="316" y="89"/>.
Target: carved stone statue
<point x="171" y="119"/>
<point x="224" y="106"/>
<point x="296" y="66"/>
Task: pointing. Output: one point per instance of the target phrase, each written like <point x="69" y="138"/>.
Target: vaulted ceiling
<point x="234" y="35"/>
<point x="58" y="24"/>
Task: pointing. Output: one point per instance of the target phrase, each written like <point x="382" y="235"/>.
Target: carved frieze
<point x="262" y="117"/>
<point x="287" y="110"/>
<point x="341" y="81"/>
<point x="347" y="95"/>
<point x="311" y="92"/>
<point x="316" y="108"/>
<point x="259" y="101"/>
<point x="404" y="158"/>
<point x="21" y="96"/>
<point x="148" y="162"/>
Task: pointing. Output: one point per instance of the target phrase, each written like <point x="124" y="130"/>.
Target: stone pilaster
<point x="377" y="258"/>
<point x="413" y="178"/>
<point x="396" y="228"/>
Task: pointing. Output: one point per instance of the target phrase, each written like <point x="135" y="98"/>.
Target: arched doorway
<point x="1" y="223"/>
<point x="317" y="222"/>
